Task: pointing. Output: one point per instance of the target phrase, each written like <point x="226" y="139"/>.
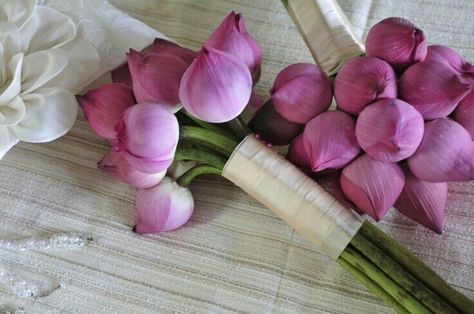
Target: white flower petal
<point x="12" y="73"/>
<point x="41" y="67"/>
<point x="7" y="140"/>
<point x="50" y="113"/>
<point x="47" y="28"/>
<point x="10" y="38"/>
<point x="83" y="63"/>
<point x="12" y="113"/>
<point x="16" y="11"/>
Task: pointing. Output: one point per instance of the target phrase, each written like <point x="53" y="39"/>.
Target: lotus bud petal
<point x="389" y="130"/>
<point x="162" y="46"/>
<point x="156" y="77"/>
<point x="362" y="81"/>
<point x="446" y="153"/>
<point x="300" y="92"/>
<point x="450" y="56"/>
<point x="147" y="136"/>
<point x="164" y="207"/>
<point x="122" y="75"/>
<point x="433" y="88"/>
<point x="424" y="202"/>
<point x="116" y="165"/>
<point x="103" y="107"/>
<point x="297" y="154"/>
<point x="330" y="141"/>
<point x="232" y="37"/>
<point x="464" y="113"/>
<point x="216" y="87"/>
<point x="372" y="185"/>
<point x="397" y="41"/>
<point x="272" y="127"/>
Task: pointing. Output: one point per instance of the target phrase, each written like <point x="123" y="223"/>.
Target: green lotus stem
<point x="416" y="267"/>
<point x="401" y="276"/>
<point x="194" y="172"/>
<point x="209" y="139"/>
<point x="372" y="286"/>
<point x="359" y="261"/>
<point x="199" y="155"/>
<point x="239" y="127"/>
<point x="210" y="126"/>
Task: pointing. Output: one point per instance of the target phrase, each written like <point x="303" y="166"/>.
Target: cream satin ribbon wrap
<point x="292" y="195"/>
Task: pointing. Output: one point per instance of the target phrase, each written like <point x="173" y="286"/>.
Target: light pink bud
<point x="232" y="37"/>
<point x="147" y="136"/>
<point x="397" y="41"/>
<point x="297" y="154"/>
<point x="164" y="207"/>
<point x="116" y="165"/>
<point x="301" y="91"/>
<point x="330" y="141"/>
<point x="104" y="106"/>
<point x="373" y="186"/>
<point x="450" y="56"/>
<point x="389" y="130"/>
<point x="362" y="81"/>
<point x="156" y="76"/>
<point x="216" y="87"/>
<point x="446" y="153"/>
<point x="464" y="113"/>
<point x="424" y="202"/>
<point x="433" y="88"/>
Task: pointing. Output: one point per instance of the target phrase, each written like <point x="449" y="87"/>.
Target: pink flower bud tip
<point x="449" y="56"/>
<point x="147" y="136"/>
<point x="329" y="140"/>
<point x="397" y="41"/>
<point x="103" y="107"/>
<point x="301" y="91"/>
<point x="232" y="37"/>
<point x="446" y="153"/>
<point x="362" y="81"/>
<point x="116" y="165"/>
<point x="164" y="207"/>
<point x="216" y="87"/>
<point x="434" y="88"/>
<point x="373" y="186"/>
<point x="424" y="202"/>
<point x="389" y="130"/>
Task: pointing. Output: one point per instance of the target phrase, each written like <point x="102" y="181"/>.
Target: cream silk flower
<point x="42" y="65"/>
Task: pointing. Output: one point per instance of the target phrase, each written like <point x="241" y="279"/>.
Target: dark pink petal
<point x="162" y="46"/>
<point x="450" y="56"/>
<point x="464" y="113"/>
<point x="122" y="75"/>
<point x="297" y="154"/>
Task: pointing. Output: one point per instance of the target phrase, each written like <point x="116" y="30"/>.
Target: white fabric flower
<point x="42" y="65"/>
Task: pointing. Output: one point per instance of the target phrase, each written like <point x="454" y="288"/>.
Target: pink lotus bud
<point x="330" y="141"/>
<point x="216" y="87"/>
<point x="397" y="41"/>
<point x="162" y="46"/>
<point x="122" y="75"/>
<point x="232" y="37"/>
<point x="372" y="185"/>
<point x="389" y="130"/>
<point x="450" y="56"/>
<point x="272" y="127"/>
<point x="446" y="153"/>
<point x="362" y="81"/>
<point x="464" y="113"/>
<point x="116" y="165"/>
<point x="104" y="106"/>
<point x="164" y="207"/>
<point x="301" y="91"/>
<point x="147" y="136"/>
<point x="433" y="88"/>
<point x="156" y="76"/>
<point x="297" y="154"/>
<point x="424" y="202"/>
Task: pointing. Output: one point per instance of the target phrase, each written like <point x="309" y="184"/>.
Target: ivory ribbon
<point x="292" y="195"/>
<point x="326" y="31"/>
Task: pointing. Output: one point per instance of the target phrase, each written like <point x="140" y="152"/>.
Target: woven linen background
<point x="233" y="255"/>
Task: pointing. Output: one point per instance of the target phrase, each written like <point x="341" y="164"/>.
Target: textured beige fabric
<point x="234" y="255"/>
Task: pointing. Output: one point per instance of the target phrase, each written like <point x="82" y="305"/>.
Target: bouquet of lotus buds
<point x="173" y="114"/>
